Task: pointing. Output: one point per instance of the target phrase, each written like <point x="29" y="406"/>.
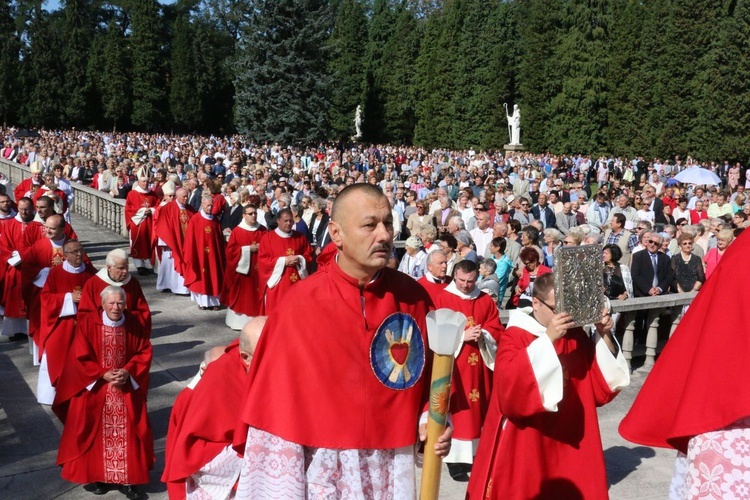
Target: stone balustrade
<point x="97" y="206"/>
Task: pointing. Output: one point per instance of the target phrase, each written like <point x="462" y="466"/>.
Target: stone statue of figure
<point x="358" y="121"/>
<point x="514" y="125"/>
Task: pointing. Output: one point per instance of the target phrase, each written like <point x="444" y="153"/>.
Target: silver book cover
<point x="579" y="282"/>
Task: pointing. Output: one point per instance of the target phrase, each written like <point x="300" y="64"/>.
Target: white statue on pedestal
<point x="514" y="125"/>
<point x="358" y="121"/>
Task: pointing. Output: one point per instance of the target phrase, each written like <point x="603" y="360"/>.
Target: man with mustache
<point x="346" y="417"/>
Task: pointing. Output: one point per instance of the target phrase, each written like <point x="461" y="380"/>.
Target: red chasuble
<point x="35" y="232"/>
<point x="209" y="418"/>
<point x="56" y="332"/>
<point x="272" y="248"/>
<point x="432" y="288"/>
<point x="140" y="234"/>
<point x="204" y="256"/>
<point x="361" y="363"/>
<point x="107" y="434"/>
<point x="12" y="239"/>
<point x="471" y="386"/>
<point x="60" y="207"/>
<point x="171" y="227"/>
<point x="243" y="292"/>
<point x="40" y="255"/>
<point x="25" y="188"/>
<point x="91" y="300"/>
<point x="699" y="383"/>
<point x="175" y="489"/>
<point x="527" y="452"/>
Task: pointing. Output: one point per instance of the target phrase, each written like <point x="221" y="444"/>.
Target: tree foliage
<point x="282" y="84"/>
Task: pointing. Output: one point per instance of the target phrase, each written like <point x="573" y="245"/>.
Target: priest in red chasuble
<point x="242" y="290"/>
<point x="364" y="327"/>
<point x="139" y="211"/>
<point x="170" y="228"/>
<point x="115" y="273"/>
<point x="59" y="302"/>
<point x="101" y="399"/>
<point x="36" y="231"/>
<point x="204" y="254"/>
<point x="36" y="263"/>
<point x="11" y="245"/>
<point x="27" y="187"/>
<point x="435" y="278"/>
<point x="475" y="359"/>
<point x="200" y="461"/>
<point x="541" y="437"/>
<point x="282" y="260"/>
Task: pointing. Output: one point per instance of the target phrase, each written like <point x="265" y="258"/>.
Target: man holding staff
<point x="347" y="416"/>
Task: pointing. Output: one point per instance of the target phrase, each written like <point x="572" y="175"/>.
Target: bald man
<point x="200" y="461"/>
<point x="345" y="402"/>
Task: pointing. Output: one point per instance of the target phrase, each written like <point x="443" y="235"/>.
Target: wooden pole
<point x="440" y="395"/>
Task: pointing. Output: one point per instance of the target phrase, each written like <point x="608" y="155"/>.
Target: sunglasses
<point x="654" y="242"/>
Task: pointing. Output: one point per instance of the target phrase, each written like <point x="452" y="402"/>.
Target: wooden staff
<point x="445" y="329"/>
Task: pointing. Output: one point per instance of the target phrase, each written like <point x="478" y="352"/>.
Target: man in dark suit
<point x="544" y="213"/>
<point x="196" y="191"/>
<point x="652" y="276"/>
<point x="650" y="199"/>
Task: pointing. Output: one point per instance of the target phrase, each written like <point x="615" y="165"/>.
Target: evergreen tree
<point x="184" y="101"/>
<point x="398" y="92"/>
<point x="578" y="112"/>
<point x="281" y="80"/>
<point x="148" y="83"/>
<point x="538" y="83"/>
<point x="628" y="93"/>
<point x="9" y="52"/>
<point x="724" y="110"/>
<point x="348" y="46"/>
<point x="435" y="78"/>
<point x="213" y="50"/>
<point x="380" y="30"/>
<point x="42" y="71"/>
<point x="77" y="36"/>
<point x="114" y="85"/>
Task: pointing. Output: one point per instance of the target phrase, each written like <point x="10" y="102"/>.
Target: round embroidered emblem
<point x="397" y="352"/>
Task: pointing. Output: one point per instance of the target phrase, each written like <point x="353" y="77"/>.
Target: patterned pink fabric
<point x="275" y="468"/>
<point x="717" y="465"/>
<point x="114" y="413"/>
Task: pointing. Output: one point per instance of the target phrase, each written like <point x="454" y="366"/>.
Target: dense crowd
<point x="239" y="226"/>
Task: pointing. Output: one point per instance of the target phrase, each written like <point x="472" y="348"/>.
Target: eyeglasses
<point x="524" y="204"/>
<point x="479" y="209"/>
<point x="251" y="213"/>
<point x="553" y="309"/>
<point x="654" y="242"/>
<point x="639" y="229"/>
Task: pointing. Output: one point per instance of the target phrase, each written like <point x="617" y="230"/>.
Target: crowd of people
<point x="264" y="230"/>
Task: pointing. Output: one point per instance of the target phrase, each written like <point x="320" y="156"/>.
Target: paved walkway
<point x="30" y="433"/>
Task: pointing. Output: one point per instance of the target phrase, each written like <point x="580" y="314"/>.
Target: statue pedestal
<point x="510" y="149"/>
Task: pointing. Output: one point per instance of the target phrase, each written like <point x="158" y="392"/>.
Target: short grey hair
<point x="458" y="221"/>
<point x="111" y="290"/>
<point x="116" y="254"/>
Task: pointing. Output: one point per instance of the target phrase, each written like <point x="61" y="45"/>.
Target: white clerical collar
<point x="38" y="219"/>
<point x="57" y="243"/>
<point x="451" y="288"/>
<point x="206" y="216"/>
<point x="73" y="270"/>
<point x="431" y="278"/>
<point x="247" y="227"/>
<point x="109" y="322"/>
<point x="523" y="319"/>
<point x="180" y="205"/>
<point x="139" y="189"/>
<point x="104" y="276"/>
<point x="11" y="215"/>
<point x="282" y="233"/>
